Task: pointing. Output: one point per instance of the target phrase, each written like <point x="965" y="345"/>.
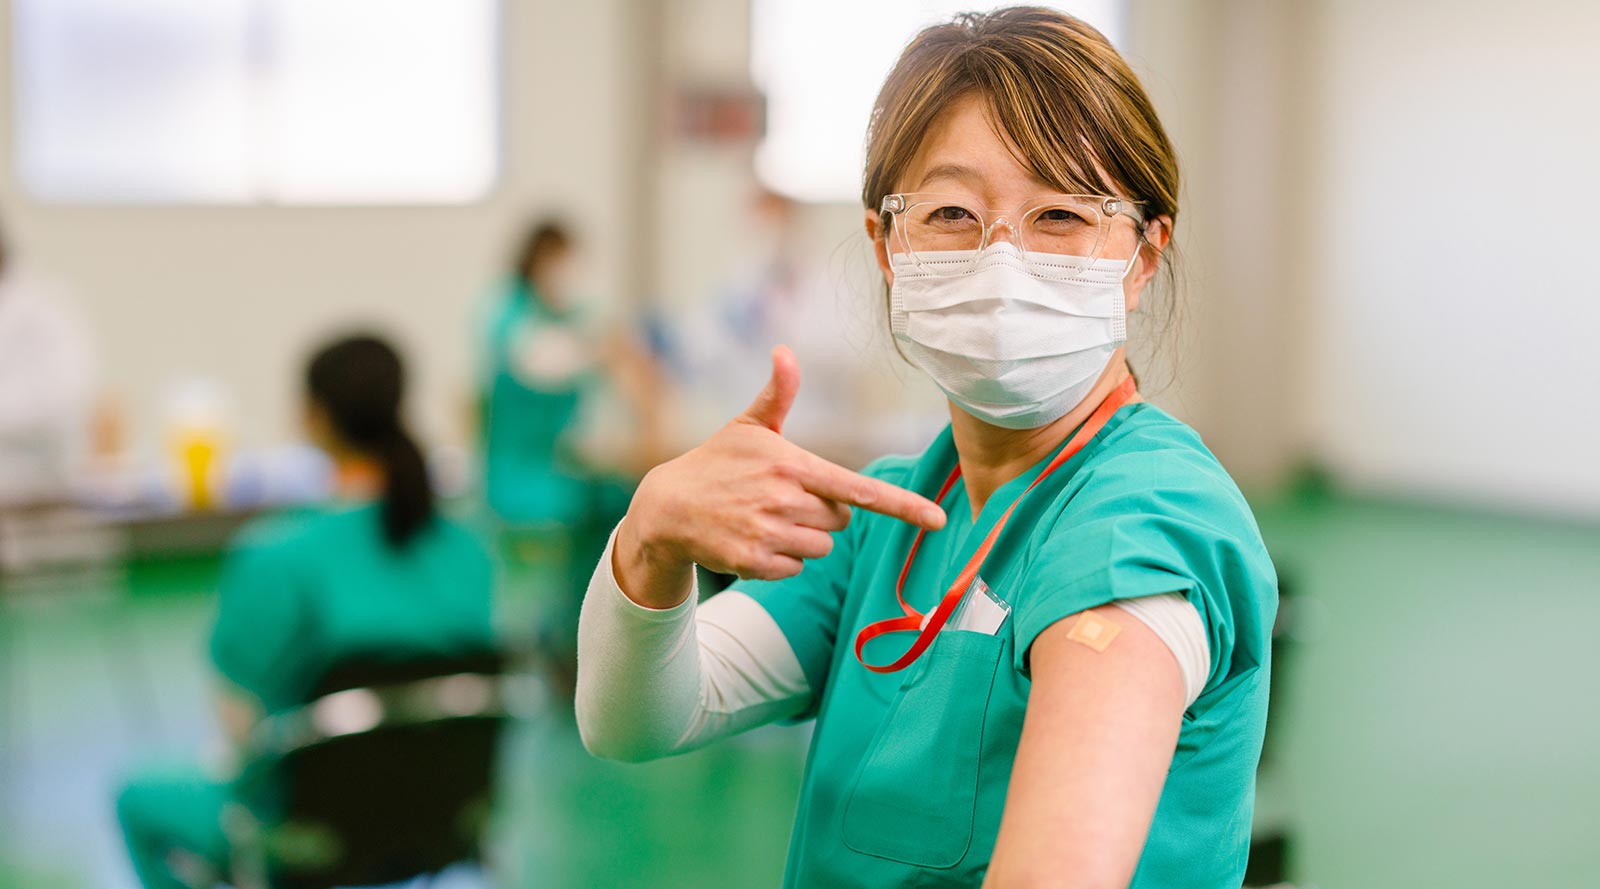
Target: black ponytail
<point x="358" y="382"/>
<point x="407" y="494"/>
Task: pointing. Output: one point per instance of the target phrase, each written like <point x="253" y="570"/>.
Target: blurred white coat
<point x="46" y="389"/>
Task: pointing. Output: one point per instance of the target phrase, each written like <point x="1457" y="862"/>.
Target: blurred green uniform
<point x="299" y="593"/>
<point x="535" y="373"/>
<point x="540" y="366"/>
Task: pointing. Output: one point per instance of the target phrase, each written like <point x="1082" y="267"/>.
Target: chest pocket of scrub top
<point x="914" y="796"/>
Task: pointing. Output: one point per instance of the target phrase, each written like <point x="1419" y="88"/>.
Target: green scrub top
<point x="907" y="773"/>
<point x="529" y="477"/>
<point x="303" y="590"/>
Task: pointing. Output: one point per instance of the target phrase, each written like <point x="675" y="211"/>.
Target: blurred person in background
<point x="545" y="363"/>
<point x="1083" y="696"/>
<point x="377" y="573"/>
<point x="46" y="387"/>
<point x="760" y="302"/>
<point x="780" y="279"/>
<point x="763" y="301"/>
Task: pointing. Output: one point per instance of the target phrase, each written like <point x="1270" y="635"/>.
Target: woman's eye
<point x="951" y="214"/>
<point x="1059" y="216"/>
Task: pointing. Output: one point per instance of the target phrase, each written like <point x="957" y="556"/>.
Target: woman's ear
<point x="1157" y="232"/>
<point x="878" y="231"/>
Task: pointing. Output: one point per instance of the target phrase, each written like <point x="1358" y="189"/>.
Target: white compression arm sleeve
<point x="652" y="682"/>
<point x="1178" y="624"/>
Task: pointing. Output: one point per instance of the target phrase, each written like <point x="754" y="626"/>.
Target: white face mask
<point x="1013" y="347"/>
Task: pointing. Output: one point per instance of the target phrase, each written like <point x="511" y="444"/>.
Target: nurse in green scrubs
<point x="377" y="572"/>
<point x="543" y="362"/>
<point x="539" y="361"/>
<point x="975" y="629"/>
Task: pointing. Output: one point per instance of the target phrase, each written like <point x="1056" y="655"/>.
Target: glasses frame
<point x="895" y="206"/>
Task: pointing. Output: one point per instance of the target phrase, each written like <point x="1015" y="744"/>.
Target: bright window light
<point x="257" y="101"/>
<point x="820" y="64"/>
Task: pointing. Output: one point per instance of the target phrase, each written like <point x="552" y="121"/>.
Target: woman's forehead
<point x="966" y="151"/>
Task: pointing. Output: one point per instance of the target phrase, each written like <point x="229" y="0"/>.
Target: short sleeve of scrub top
<point x="1143" y="523"/>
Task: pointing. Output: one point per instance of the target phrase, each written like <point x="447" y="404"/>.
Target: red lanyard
<point x="927" y="626"/>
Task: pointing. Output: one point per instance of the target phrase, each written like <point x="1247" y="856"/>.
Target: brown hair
<point x="1079" y="118"/>
<point x="543" y="239"/>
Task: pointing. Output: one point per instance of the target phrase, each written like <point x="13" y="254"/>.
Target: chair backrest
<point x="385" y="775"/>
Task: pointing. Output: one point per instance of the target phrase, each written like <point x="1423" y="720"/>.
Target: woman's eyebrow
<point x="960" y="173"/>
<point x="970" y="177"/>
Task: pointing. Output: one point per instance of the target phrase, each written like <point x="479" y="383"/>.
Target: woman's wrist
<point x="647" y="570"/>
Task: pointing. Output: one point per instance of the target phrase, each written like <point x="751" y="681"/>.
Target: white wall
<point x="1451" y="234"/>
<point x="1223" y="78"/>
<point x="241" y="294"/>
<point x="1387" y="221"/>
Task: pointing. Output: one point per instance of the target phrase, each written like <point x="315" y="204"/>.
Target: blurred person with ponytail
<point x="375" y="573"/>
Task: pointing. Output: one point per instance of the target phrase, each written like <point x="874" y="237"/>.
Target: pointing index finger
<point x="834" y="482"/>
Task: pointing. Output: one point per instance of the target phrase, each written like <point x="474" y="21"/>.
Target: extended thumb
<point x="772" y="405"/>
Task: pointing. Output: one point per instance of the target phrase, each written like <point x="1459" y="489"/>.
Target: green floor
<point x="1436" y="723"/>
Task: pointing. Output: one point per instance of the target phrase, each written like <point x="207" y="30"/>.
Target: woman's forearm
<point x="654" y="682"/>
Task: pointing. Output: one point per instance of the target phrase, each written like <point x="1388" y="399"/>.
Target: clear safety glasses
<point x="943" y="234"/>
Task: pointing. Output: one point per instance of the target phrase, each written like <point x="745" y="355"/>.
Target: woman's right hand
<point x="746" y="502"/>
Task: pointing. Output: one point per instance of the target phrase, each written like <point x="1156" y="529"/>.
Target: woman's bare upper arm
<point x="1101" y="727"/>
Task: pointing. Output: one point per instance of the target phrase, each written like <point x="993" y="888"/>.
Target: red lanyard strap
<point x="928" y="625"/>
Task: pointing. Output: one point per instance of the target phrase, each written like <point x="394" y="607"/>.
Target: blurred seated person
<point x="46" y="383"/>
<point x="376" y="573"/>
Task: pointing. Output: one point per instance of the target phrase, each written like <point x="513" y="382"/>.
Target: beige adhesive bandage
<point x="1094" y="631"/>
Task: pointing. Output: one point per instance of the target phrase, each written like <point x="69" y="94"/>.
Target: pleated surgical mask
<point x="1016" y="342"/>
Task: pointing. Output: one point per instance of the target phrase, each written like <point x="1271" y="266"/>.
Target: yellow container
<point x="199" y="453"/>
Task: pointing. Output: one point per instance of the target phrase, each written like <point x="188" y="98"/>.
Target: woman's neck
<point x="356" y="477"/>
<point x="991" y="456"/>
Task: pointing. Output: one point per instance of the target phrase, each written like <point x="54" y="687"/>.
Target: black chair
<point x="385" y="775"/>
<point x="1272" y="846"/>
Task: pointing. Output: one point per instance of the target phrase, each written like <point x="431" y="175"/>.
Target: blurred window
<point x="820" y="64"/>
<point x="256" y="101"/>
